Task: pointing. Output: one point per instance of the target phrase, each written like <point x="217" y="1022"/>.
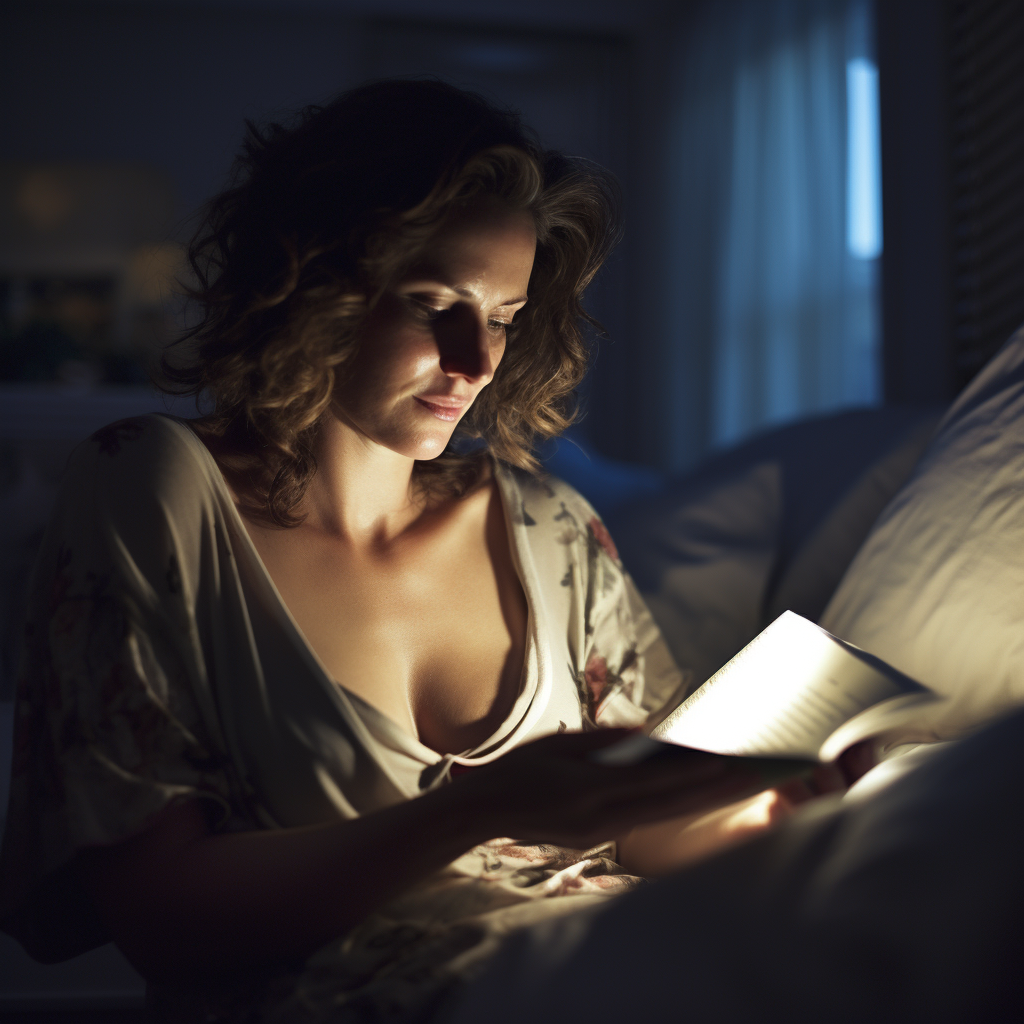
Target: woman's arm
<point x="183" y="903"/>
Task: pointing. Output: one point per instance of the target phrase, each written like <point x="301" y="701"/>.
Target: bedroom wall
<point x="166" y="85"/>
<point x="917" y="272"/>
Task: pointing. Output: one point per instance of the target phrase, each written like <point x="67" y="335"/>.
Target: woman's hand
<point x="662" y="848"/>
<point x="551" y="791"/>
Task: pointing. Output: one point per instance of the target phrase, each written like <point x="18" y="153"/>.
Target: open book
<point x="797" y="694"/>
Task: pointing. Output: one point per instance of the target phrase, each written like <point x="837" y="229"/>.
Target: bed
<point x="903" y="900"/>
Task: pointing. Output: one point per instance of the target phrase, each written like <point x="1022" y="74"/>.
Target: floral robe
<point x="162" y="664"/>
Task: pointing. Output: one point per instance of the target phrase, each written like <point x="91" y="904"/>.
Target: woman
<point x="256" y="637"/>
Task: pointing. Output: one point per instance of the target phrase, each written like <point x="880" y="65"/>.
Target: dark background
<point x="164" y="86"/>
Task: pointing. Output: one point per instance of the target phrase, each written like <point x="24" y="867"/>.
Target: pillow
<point x="606" y="483"/>
<point x="702" y="558"/>
<point x="937" y="589"/>
<point x="819" y="460"/>
<point x="811" y="577"/>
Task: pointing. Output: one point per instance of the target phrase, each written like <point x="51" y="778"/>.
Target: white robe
<point x="161" y="664"/>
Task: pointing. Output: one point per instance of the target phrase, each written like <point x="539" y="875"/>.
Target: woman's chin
<point x="428" y="456"/>
<point x="425" y="447"/>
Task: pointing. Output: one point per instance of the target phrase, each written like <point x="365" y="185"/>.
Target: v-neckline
<point x="535" y="677"/>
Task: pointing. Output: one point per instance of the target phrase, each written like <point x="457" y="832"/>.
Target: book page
<point x="784" y="694"/>
<point x="903" y="719"/>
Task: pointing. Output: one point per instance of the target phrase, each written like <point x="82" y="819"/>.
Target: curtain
<point x="775" y="301"/>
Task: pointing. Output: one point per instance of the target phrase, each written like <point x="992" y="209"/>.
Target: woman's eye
<point x="425" y="311"/>
<point x="507" y="327"/>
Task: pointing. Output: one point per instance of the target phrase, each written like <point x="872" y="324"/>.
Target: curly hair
<point x="320" y="217"/>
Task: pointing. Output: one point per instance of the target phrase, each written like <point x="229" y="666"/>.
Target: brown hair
<point x="320" y="217"/>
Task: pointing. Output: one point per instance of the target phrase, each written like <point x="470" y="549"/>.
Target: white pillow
<point x="937" y="589"/>
<point x="811" y="577"/>
<point x="702" y="560"/>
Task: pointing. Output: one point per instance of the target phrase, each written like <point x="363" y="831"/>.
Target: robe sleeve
<point x="627" y="675"/>
<point x="109" y="727"/>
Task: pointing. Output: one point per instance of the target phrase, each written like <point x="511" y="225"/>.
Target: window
<point x="778" y="217"/>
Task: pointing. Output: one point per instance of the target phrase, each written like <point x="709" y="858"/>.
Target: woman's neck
<point x="361" y="492"/>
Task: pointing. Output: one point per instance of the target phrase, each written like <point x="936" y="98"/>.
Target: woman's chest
<point x="432" y="634"/>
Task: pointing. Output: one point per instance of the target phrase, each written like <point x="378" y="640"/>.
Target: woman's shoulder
<point x="152" y="454"/>
<point x="555" y="507"/>
<point x="138" y="441"/>
<point x="542" y="490"/>
<point x="140" y="436"/>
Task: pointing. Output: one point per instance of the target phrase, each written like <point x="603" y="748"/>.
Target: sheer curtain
<point x="774" y="247"/>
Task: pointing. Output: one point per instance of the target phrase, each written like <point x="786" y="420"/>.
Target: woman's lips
<point x="443" y="408"/>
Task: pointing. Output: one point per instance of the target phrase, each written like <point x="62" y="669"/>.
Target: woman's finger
<point x="857" y="760"/>
<point x="795" y="792"/>
<point x="829" y="778"/>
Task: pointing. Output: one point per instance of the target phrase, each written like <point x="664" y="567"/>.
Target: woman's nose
<point x="465" y="345"/>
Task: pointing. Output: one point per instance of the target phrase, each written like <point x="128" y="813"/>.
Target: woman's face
<point x="435" y="339"/>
